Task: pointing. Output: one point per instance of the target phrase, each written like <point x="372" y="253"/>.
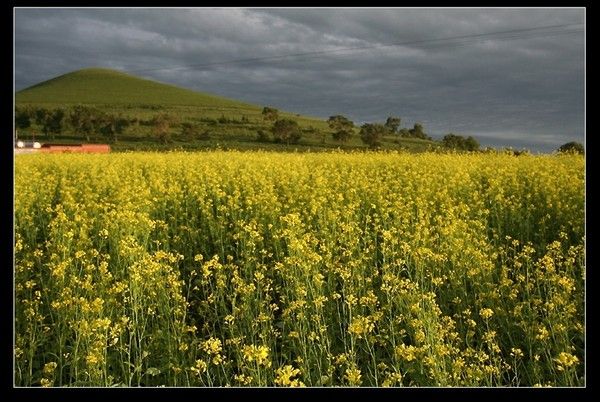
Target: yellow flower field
<point x="330" y="269"/>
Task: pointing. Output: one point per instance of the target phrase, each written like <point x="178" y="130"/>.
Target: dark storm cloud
<point x="526" y="92"/>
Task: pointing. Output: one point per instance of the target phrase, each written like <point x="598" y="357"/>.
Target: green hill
<point x="104" y="86"/>
<point x="216" y="121"/>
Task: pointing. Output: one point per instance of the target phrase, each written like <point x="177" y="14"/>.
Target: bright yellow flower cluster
<point x="284" y="377"/>
<point x="258" y="354"/>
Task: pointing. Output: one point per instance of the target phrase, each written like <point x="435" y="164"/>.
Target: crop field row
<point x="330" y="269"/>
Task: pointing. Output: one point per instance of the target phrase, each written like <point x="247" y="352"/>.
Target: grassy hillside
<point x="218" y="121"/>
<point x="104" y="86"/>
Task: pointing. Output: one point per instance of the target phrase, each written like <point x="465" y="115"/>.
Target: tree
<point x="286" y="130"/>
<point x="39" y="114"/>
<point x="471" y="144"/>
<point x="572" y="147"/>
<point x="42" y="116"/>
<point x="342" y="127"/>
<point x="189" y="131"/>
<point x="371" y="134"/>
<point x="270" y="113"/>
<point x="392" y="123"/>
<point x="453" y="141"/>
<point x="417" y="132"/>
<point x="404" y="132"/>
<point x="50" y="120"/>
<point x="262" y="136"/>
<point x="23" y="118"/>
<point x="112" y="126"/>
<point x="161" y="127"/>
<point x="83" y="119"/>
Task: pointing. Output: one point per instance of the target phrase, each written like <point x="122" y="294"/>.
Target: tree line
<point x="371" y="134"/>
<point x="84" y="120"/>
<point x="343" y="129"/>
<point x="288" y="131"/>
<point x="88" y="122"/>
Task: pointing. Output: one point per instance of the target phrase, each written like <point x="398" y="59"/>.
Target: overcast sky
<point x="519" y="89"/>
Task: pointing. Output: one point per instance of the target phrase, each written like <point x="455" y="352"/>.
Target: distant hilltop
<point x="105" y="86"/>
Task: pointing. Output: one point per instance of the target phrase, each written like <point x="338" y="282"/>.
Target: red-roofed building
<point x="27" y="147"/>
<point x="81" y="148"/>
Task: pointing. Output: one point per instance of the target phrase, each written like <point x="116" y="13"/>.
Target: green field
<point x="220" y="122"/>
<point x="279" y="269"/>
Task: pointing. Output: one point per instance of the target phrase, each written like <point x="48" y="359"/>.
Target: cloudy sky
<point x="516" y="85"/>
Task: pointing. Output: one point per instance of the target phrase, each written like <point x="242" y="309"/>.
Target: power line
<point x="466" y="39"/>
<point x="502" y="38"/>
